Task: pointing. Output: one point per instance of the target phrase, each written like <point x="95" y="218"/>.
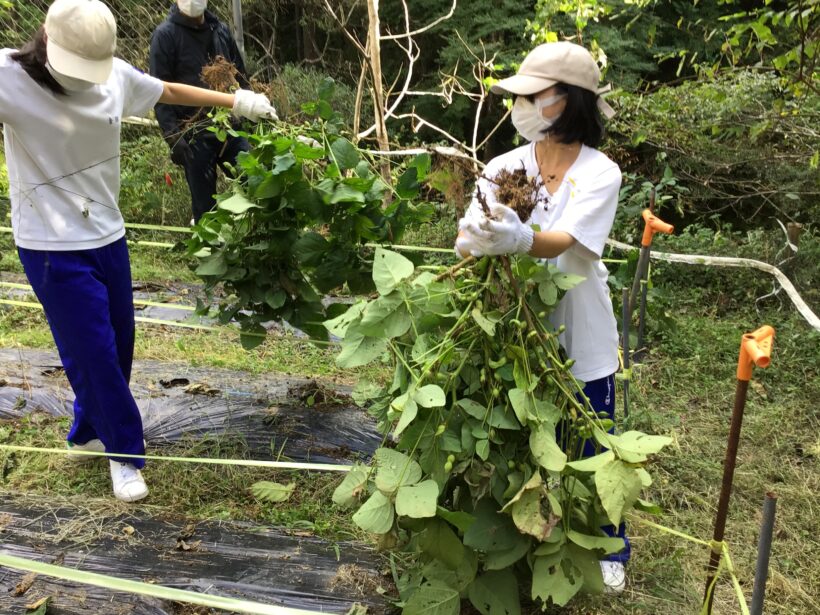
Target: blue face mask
<point x="70" y="84"/>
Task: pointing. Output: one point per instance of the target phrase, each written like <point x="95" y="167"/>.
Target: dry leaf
<point x="24" y="585"/>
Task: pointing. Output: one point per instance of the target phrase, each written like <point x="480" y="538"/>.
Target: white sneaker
<point x="129" y="486"/>
<point x="95" y="446"/>
<point x="614" y="575"/>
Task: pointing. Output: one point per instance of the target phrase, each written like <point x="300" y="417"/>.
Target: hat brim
<point x="71" y="65"/>
<point x="522" y="85"/>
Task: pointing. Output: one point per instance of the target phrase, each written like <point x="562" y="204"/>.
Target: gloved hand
<point x="253" y="106"/>
<point x="181" y="153"/>
<point x="506" y="234"/>
<point x="471" y="237"/>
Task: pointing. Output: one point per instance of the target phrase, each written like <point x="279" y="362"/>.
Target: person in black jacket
<point x="187" y="41"/>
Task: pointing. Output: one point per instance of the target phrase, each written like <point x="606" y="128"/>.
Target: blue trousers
<point x="89" y="304"/>
<point x="601" y="394"/>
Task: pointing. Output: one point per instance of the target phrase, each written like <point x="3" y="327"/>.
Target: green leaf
<point x="213" y="265"/>
<point x="433" y="598"/>
<point x="495" y="593"/>
<point x="430" y="396"/>
<point x="376" y="514"/>
<point x="605" y="543"/>
<point x="268" y="188"/>
<point x="417" y="501"/>
<point x="276" y="298"/>
<point x="408" y="185"/>
<point x="498" y="560"/>
<point x="482" y="449"/>
<point x="358" y="350"/>
<point x="438" y="540"/>
<point x="345" y="154"/>
<point x="492" y="530"/>
<point x="548" y="292"/>
<point x="272" y="492"/>
<point x="353" y="485"/>
<point x="546" y="450"/>
<point x="394" y="470"/>
<point x="618" y="488"/>
<point x="635" y="446"/>
<point x="550" y="582"/>
<point x="590" y="566"/>
<point x="338" y="326"/>
<point x="566" y="281"/>
<point x="501" y="419"/>
<point x="522" y="405"/>
<point x="310" y="248"/>
<point x="459" y="519"/>
<point x="237" y="204"/>
<point x="346" y="194"/>
<point x="472" y="408"/>
<point x="592" y="464"/>
<point x="409" y="410"/>
<point x="389" y="270"/>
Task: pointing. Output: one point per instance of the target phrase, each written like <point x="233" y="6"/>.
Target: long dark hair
<point x="32" y="58"/>
<point x="580" y="120"/>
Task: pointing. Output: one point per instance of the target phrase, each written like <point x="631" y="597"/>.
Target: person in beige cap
<point x="558" y="110"/>
<point x="62" y="100"/>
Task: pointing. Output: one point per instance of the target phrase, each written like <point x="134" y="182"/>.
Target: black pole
<point x="726" y="487"/>
<point x="625" y="315"/>
<point x="640" y="350"/>
<point x="764" y="549"/>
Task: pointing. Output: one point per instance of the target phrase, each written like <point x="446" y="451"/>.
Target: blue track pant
<point x="601" y="394"/>
<point x="89" y="304"/>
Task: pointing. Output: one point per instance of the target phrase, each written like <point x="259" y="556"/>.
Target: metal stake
<point x="238" y="27"/>
<point x="639" y="350"/>
<point x="764" y="549"/>
<point x="755" y="349"/>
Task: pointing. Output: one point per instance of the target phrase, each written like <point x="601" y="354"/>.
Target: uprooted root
<point x="220" y="75"/>
<point x="517" y="191"/>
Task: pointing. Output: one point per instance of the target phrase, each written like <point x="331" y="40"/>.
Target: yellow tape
<point x="145" y="589"/>
<point x="170" y="306"/>
<point x="250" y="463"/>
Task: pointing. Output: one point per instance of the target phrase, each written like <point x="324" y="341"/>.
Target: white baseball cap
<point x="82" y="39"/>
<point x="551" y="63"/>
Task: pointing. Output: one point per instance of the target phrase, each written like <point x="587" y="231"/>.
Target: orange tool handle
<point x="653" y="225"/>
<point x="755" y="349"/>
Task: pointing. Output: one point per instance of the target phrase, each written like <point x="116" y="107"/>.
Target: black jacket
<point x="180" y="50"/>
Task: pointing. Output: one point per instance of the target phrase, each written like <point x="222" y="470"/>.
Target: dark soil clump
<point x="517" y="191"/>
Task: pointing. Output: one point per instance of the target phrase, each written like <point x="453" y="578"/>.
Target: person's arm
<point x="243" y="103"/>
<point x="191" y="96"/>
<point x="549" y="244"/>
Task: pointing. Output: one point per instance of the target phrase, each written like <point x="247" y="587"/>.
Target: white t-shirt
<point x="63" y="155"/>
<point x="584" y="207"/>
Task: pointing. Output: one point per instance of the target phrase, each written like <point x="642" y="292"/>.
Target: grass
<point x="684" y="388"/>
<point x="178" y="490"/>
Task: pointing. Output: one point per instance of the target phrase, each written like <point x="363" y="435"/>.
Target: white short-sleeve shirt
<point x="584" y="207"/>
<point x="63" y="155"/>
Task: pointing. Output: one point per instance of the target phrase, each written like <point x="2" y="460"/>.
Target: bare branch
<point x="425" y="28"/>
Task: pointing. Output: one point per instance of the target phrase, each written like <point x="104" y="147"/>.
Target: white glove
<point x="468" y="244"/>
<point x="471" y="237"/>
<point x="253" y="106"/>
<point x="506" y="234"/>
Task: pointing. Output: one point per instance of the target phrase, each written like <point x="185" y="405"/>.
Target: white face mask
<point x="527" y="118"/>
<point x="192" y="8"/>
<point x="70" y="84"/>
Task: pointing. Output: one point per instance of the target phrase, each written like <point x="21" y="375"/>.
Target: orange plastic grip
<point x="755" y="349"/>
<point x="653" y="225"/>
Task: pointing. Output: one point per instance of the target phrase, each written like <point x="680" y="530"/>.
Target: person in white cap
<point x="558" y="110"/>
<point x="62" y="100"/>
